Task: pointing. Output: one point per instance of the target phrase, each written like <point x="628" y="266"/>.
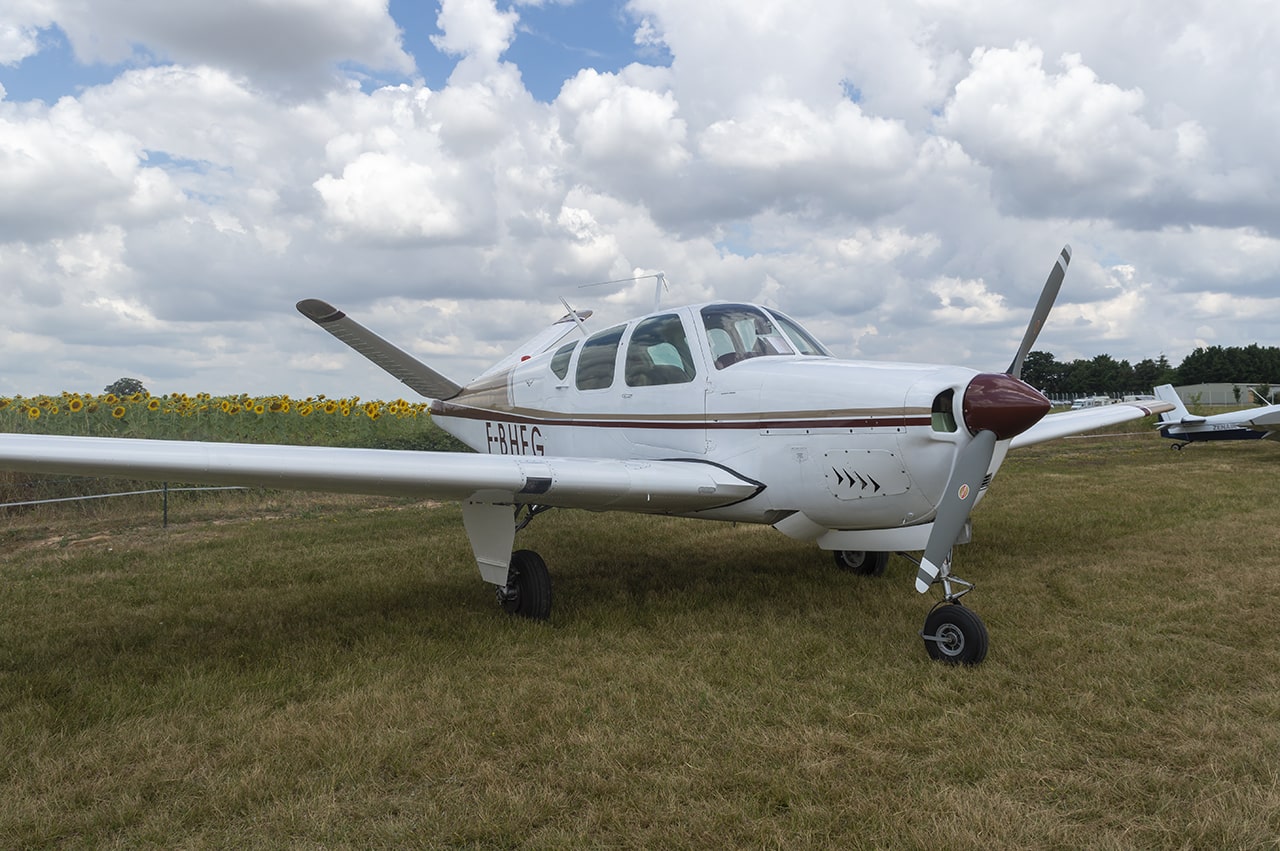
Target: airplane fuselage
<point x="838" y="445"/>
<point x="1212" y="432"/>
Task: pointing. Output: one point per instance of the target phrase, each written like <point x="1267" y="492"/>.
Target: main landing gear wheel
<point x="862" y="563"/>
<point x="955" y="635"/>
<point x="528" y="589"/>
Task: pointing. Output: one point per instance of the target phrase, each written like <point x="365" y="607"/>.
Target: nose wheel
<point x="955" y="635"/>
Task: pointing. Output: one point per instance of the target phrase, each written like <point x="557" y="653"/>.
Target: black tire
<point x="529" y="585"/>
<point x="963" y="635"/>
<point x="862" y="563"/>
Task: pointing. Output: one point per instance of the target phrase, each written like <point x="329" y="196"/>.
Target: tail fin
<point x="413" y="372"/>
<point x="1179" y="414"/>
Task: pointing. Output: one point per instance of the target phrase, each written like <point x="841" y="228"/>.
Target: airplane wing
<point x="1068" y="423"/>
<point x="591" y="483"/>
<point x="1266" y="421"/>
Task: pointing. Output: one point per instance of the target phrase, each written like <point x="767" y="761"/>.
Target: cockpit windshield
<point x="737" y="332"/>
<point x="804" y="342"/>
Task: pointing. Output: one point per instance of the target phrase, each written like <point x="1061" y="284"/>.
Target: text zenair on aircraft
<point x="716" y="411"/>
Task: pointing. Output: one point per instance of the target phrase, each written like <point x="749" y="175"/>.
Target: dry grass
<point x="321" y="671"/>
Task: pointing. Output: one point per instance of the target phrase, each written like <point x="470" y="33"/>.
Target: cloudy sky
<point x="175" y="175"/>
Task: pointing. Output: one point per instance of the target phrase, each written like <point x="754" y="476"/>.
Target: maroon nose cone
<point x="1003" y="404"/>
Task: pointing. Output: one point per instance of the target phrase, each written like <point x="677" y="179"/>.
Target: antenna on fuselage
<point x="576" y="318"/>
<point x="659" y="285"/>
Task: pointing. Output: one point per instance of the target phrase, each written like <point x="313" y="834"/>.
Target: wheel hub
<point x="950" y="639"/>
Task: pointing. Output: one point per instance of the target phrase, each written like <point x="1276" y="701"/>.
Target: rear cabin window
<point x="597" y="358"/>
<point x="737" y="332"/>
<point x="560" y="360"/>
<point x="659" y="353"/>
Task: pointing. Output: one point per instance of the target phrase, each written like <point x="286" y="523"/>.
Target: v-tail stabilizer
<point x="387" y="356"/>
<point x="414" y="373"/>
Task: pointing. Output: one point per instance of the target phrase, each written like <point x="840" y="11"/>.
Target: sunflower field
<point x="315" y="420"/>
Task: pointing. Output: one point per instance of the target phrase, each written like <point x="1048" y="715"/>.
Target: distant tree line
<point x="1252" y="364"/>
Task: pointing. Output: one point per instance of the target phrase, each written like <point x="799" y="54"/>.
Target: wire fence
<point x="163" y="489"/>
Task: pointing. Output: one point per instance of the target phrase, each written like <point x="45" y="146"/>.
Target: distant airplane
<point x="718" y="411"/>
<point x="1181" y="425"/>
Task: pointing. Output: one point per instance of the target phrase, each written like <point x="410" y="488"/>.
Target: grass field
<point x="293" y="670"/>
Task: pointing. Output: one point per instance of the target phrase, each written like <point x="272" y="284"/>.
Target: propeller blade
<point x="957" y="502"/>
<point x="1047" y="295"/>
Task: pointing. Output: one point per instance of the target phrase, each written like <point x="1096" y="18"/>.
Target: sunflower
<point x="118" y="413"/>
<point x="33" y="413"/>
<point x="153" y="405"/>
<point x="75" y="405"/>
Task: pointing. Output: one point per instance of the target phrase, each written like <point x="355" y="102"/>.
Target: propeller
<point x="996" y="406"/>
<point x="1041" y="313"/>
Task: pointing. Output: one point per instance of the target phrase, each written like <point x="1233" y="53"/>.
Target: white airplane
<point x="1181" y="425"/>
<point x="717" y="411"/>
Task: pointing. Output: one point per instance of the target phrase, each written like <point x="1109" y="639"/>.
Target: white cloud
<point x="62" y="174"/>
<point x="474" y="28"/>
<point x="1065" y="134"/>
<point x="17" y="42"/>
<point x="292" y="44"/>
<point x="384" y="196"/>
<point x="899" y="175"/>
<point x="967" y="302"/>
<point x="615" y="124"/>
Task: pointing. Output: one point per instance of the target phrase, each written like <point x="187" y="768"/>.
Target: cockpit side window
<point x="659" y="353"/>
<point x="560" y="360"/>
<point x="803" y="341"/>
<point x="597" y="359"/>
<point x="739" y="331"/>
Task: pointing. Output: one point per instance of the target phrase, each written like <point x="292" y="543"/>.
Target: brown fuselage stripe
<point x="445" y="409"/>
